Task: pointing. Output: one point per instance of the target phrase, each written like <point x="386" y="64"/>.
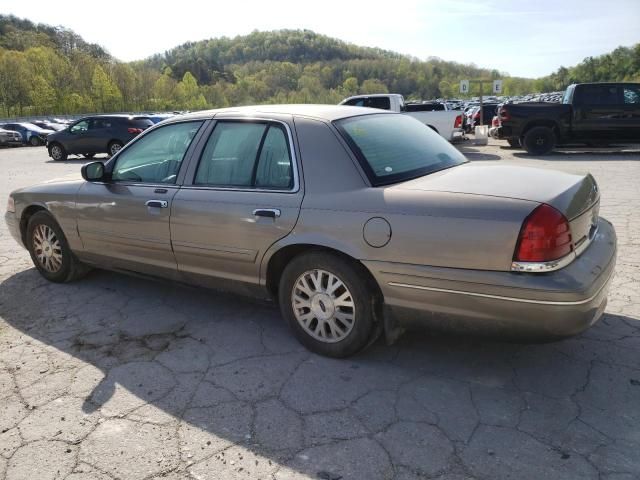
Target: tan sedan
<point x="356" y="221"/>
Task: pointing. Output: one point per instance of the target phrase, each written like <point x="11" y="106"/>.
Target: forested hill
<point x="47" y="70"/>
<point x="207" y="58"/>
<point x="21" y="34"/>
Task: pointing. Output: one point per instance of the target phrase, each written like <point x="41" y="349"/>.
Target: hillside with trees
<point x="51" y="70"/>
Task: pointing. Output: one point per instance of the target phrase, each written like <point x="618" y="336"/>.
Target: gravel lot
<point x="119" y="377"/>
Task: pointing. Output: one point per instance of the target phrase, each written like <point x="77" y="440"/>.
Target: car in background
<point x="444" y="122"/>
<point x="489" y="110"/>
<point x="159" y="117"/>
<point x="31" y="134"/>
<point x="10" y="138"/>
<point x="97" y="134"/>
<point x="56" y="127"/>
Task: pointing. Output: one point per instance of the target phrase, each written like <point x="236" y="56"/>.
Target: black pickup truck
<point x="590" y="114"/>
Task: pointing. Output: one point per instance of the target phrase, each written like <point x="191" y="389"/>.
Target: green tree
<point x="373" y="85"/>
<point x="43" y="95"/>
<point x="105" y="92"/>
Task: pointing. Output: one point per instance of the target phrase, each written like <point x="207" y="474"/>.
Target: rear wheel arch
<point x="433" y="128"/>
<point x="541" y="123"/>
<point x="276" y="264"/>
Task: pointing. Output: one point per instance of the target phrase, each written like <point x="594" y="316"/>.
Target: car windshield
<point x="395" y="147"/>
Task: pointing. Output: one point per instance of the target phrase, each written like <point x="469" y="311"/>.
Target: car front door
<point x="76" y="138"/>
<point x="94" y="139"/>
<point x="124" y="222"/>
<point x="242" y="195"/>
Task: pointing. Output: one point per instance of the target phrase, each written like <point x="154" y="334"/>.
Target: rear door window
<point x="246" y="155"/>
<point x="631" y="95"/>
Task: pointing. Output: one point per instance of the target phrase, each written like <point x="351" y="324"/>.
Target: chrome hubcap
<point x="323" y="306"/>
<point x="115" y="148"/>
<point x="47" y="248"/>
<point x="56" y="152"/>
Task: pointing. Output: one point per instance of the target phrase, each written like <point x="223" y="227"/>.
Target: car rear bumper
<point x="13" y="225"/>
<point x="535" y="306"/>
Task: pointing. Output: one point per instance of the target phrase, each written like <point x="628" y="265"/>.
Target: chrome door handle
<point x="157" y="203"/>
<point x="267" y="212"/>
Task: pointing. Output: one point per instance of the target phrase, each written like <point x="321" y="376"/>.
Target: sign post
<point x="496" y="88"/>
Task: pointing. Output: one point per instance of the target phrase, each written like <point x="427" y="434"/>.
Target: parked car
<point x="489" y="110"/>
<point x="159" y="117"/>
<point x="590" y="113"/>
<point x="10" y="137"/>
<point x="56" y="127"/>
<point x="31" y="134"/>
<point x="447" y="123"/>
<point x="98" y="134"/>
<point x="356" y="220"/>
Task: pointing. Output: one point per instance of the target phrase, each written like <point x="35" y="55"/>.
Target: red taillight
<point x="544" y="236"/>
<point x="134" y="131"/>
<point x="504" y="114"/>
<point x="458" y="122"/>
<point x="477" y="115"/>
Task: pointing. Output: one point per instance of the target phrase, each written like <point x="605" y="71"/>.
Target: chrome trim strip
<point x="499" y="297"/>
<point x="542" y="267"/>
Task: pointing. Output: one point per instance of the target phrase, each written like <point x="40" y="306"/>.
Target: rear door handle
<point x="157" y="203"/>
<point x="267" y="212"/>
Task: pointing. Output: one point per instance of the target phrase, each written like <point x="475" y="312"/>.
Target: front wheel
<point x="35" y="141"/>
<point x="115" y="147"/>
<point x="57" y="152"/>
<point x="539" y="141"/>
<point x="50" y="251"/>
<point x="327" y="303"/>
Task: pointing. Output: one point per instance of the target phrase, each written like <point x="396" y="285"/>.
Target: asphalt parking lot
<point x="116" y="377"/>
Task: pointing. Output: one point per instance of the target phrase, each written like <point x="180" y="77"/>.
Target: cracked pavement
<point x="116" y="377"/>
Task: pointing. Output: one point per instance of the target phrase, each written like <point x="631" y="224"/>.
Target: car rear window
<point x="395" y="147"/>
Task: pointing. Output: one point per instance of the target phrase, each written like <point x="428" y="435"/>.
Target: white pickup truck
<point x="448" y="123"/>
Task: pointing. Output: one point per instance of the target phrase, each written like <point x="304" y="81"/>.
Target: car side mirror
<point x="93" y="172"/>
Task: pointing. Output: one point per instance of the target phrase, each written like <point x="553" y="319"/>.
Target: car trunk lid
<point x="576" y="196"/>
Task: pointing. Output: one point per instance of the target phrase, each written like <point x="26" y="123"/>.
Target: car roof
<point x="321" y="112"/>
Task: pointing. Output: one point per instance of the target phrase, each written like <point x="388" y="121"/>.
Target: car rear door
<point x="242" y="195"/>
<point x="124" y="222"/>
<point x="597" y="112"/>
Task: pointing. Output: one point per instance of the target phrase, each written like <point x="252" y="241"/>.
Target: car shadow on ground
<point x="208" y="382"/>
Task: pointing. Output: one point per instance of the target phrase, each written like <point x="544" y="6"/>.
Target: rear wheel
<point x="50" y="251"/>
<point x="114" y="147"/>
<point x="327" y="303"/>
<point x="57" y="152"/>
<point x="539" y="140"/>
<point x="35" y="141"/>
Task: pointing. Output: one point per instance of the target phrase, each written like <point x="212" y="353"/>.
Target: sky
<point x="522" y="38"/>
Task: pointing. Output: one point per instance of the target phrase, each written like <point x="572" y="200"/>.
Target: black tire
<point x="514" y="142"/>
<point x="114" y="147"/>
<point x="35" y="141"/>
<point x="70" y="267"/>
<point x="361" y="293"/>
<point x="539" y="141"/>
<point x="88" y="155"/>
<point x="57" y="152"/>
